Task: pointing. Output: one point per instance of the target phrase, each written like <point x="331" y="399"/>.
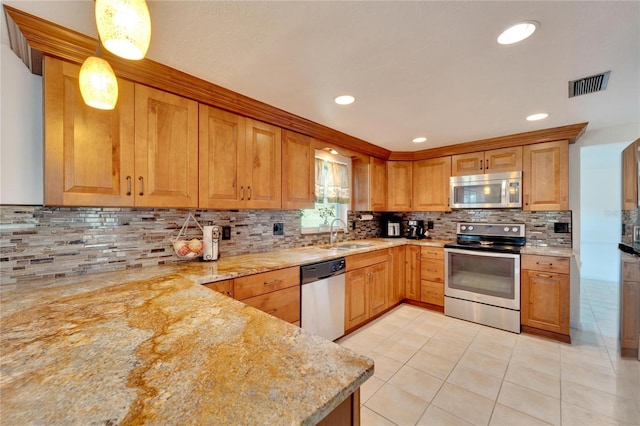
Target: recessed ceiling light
<point x="536" y="117"/>
<point x="345" y="100"/>
<point x="419" y="140"/>
<point x="518" y="32"/>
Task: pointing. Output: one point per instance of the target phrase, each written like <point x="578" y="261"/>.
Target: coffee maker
<point x="415" y="229"/>
<point x="390" y="227"/>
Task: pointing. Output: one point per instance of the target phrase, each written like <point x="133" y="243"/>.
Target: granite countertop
<point x="548" y="251"/>
<point x="151" y="346"/>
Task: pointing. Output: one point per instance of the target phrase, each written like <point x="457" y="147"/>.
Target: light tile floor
<point x="435" y="370"/>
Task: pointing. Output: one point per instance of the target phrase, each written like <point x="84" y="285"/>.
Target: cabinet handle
<point x="141" y="179"/>
<point x="544" y="275"/>
<point x="229" y="293"/>
<point x="242" y="192"/>
<point x="486" y="165"/>
<point x="526" y="200"/>
<point x="544" y="263"/>
<point x="128" y="185"/>
<point x="249" y="188"/>
<point x="480" y="164"/>
<point x="274" y="311"/>
<point x="272" y="282"/>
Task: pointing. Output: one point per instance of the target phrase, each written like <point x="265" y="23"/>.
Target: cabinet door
<point x="432" y="269"/>
<point x="298" y="171"/>
<point x="166" y="160"/>
<point x="399" y="184"/>
<point x="396" y="280"/>
<point x="545" y="301"/>
<point x="356" y="298"/>
<point x="263" y="166"/>
<point x="222" y="165"/>
<point x="378" y="187"/>
<point x="503" y="160"/>
<point x="412" y="264"/>
<point x="283" y="304"/>
<point x="432" y="293"/>
<point x="630" y="176"/>
<point x="378" y="275"/>
<point x="88" y="153"/>
<point x="431" y="184"/>
<point x="629" y="314"/>
<point x="225" y="287"/>
<point x="545" y="176"/>
<point x="467" y="164"/>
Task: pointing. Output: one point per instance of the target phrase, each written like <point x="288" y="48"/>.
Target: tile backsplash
<point x="42" y="242"/>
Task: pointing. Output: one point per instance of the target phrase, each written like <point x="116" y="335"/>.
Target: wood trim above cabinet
<point x="31" y="38"/>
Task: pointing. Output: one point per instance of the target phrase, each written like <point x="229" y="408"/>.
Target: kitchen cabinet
<point x="432" y="275"/>
<point x="396" y="280"/>
<point x="365" y="286"/>
<point x="412" y="273"/>
<point x="630" y="158"/>
<point x="275" y="292"/>
<point x="629" y="305"/>
<point x="431" y="184"/>
<point x="399" y="185"/>
<point x="225" y="287"/>
<point x="240" y="162"/>
<point x="369" y="184"/>
<point x="108" y="158"/>
<point x="298" y="171"/>
<point x="545" y="176"/>
<point x="494" y="161"/>
<point x="545" y="294"/>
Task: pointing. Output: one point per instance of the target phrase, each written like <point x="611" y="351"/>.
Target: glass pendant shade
<point x="98" y="84"/>
<point x="124" y="27"/>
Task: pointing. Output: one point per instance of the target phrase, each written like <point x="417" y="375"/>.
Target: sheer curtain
<point x="332" y="180"/>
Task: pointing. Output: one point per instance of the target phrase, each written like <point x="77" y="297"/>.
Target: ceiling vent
<point x="594" y="83"/>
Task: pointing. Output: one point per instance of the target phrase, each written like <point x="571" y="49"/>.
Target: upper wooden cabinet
<point x="630" y="158"/>
<point x="494" y="161"/>
<point x="105" y="158"/>
<point x="240" y="162"/>
<point x="166" y="160"/>
<point x="545" y="176"/>
<point x="298" y="171"/>
<point x="369" y="184"/>
<point x="399" y="185"/>
<point x="431" y="184"/>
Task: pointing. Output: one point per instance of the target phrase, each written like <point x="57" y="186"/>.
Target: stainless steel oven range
<point x="482" y="274"/>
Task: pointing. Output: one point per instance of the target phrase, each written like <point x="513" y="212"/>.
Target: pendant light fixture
<point x="124" y="27"/>
<point x="98" y="83"/>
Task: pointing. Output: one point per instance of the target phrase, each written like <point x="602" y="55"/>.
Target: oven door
<point x="483" y="277"/>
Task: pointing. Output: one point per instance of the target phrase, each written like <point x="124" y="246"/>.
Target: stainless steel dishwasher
<point x="322" y="298"/>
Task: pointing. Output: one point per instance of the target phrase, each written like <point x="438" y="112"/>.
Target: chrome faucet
<point x="332" y="236"/>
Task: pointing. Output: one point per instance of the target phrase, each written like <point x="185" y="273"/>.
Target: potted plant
<point x="325" y="213"/>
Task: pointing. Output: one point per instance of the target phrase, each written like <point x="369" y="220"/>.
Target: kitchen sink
<point x="352" y="246"/>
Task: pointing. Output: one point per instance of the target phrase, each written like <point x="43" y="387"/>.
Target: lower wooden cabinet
<point x="412" y="273"/>
<point x="432" y="275"/>
<point x="396" y="281"/>
<point x="365" y="286"/>
<point x="275" y="292"/>
<point x="545" y="296"/>
<point x="629" y="306"/>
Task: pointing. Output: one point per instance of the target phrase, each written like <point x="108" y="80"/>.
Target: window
<point x="332" y="194"/>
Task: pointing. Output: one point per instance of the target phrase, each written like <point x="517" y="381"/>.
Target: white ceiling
<point x="420" y="68"/>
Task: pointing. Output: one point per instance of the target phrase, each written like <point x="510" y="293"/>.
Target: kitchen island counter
<point x="151" y="346"/>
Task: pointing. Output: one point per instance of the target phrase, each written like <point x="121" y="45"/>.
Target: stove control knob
<point x="470" y="228"/>
<point x="514" y="229"/>
<point x="506" y="229"/>
<point x="463" y="228"/>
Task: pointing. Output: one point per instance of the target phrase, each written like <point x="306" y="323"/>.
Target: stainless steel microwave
<point x="487" y="191"/>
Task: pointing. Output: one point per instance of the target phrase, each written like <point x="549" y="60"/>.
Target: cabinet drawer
<point x="283" y="304"/>
<point x="432" y="269"/>
<point x="225" y="287"/>
<point x="432" y="252"/>
<point x="631" y="271"/>
<point x="545" y="263"/>
<point x="267" y="282"/>
<point x="431" y="292"/>
<point x="363" y="260"/>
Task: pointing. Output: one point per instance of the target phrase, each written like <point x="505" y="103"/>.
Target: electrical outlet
<point x="561" y="228"/>
<point x="226" y="232"/>
<point x="278" y="228"/>
<point x="353" y="225"/>
<point x="429" y="224"/>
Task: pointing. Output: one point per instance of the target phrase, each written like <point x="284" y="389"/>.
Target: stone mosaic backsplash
<point x="630" y="218"/>
<point x="37" y="242"/>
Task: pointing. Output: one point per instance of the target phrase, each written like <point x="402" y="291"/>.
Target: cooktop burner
<point x="491" y="237"/>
